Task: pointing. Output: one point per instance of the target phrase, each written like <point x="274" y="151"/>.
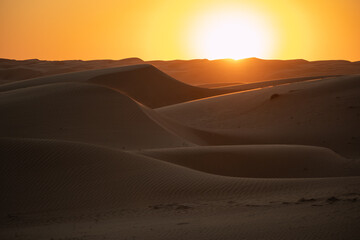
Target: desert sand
<point x="199" y="72"/>
<point x="131" y="152"/>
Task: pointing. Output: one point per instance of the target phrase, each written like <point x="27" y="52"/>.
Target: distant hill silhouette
<point x="194" y="72"/>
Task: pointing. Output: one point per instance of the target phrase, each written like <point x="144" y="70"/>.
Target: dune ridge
<point x="105" y="177"/>
<point x="261" y="161"/>
<point x="84" y="113"/>
<point x="83" y="156"/>
<point x="196" y="71"/>
<point x="67" y="187"/>
<point x="142" y="82"/>
<point x="145" y="83"/>
<point x="152" y="87"/>
<point x="320" y="113"/>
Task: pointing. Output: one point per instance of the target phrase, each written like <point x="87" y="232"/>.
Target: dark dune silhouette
<point x="200" y="71"/>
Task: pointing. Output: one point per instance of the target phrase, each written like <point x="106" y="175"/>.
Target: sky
<point x="173" y="29"/>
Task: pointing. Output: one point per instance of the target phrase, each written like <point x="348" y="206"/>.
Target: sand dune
<point x="142" y="82"/>
<point x="198" y="71"/>
<point x="320" y="113"/>
<point x="81" y="76"/>
<point x="44" y="68"/>
<point x="81" y="187"/>
<point x="7" y="75"/>
<point x="152" y="87"/>
<point x="146" y="84"/>
<point x="82" y="157"/>
<point x="67" y="175"/>
<point x="81" y="112"/>
<point x="261" y="161"/>
<point x="251" y="70"/>
<point x="270" y="83"/>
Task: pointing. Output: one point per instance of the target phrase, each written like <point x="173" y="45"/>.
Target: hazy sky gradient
<point x="161" y="29"/>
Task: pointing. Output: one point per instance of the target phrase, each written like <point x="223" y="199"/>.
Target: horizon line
<point x="177" y="59"/>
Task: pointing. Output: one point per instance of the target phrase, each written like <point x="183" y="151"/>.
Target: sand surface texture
<point x="132" y="153"/>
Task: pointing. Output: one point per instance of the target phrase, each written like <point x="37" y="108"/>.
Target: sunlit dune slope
<point x="82" y="112"/>
<point x="261" y="161"/>
<point x="58" y="175"/>
<point x="203" y="71"/>
<point x="320" y="113"/>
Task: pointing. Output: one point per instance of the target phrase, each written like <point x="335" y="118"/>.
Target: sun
<point x="232" y="34"/>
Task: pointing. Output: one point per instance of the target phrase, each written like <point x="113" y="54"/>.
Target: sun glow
<point x="231" y="34"/>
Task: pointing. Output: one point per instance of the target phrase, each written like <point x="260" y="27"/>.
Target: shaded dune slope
<point x="84" y="113"/>
<point x="43" y="175"/>
<point x="47" y="68"/>
<point x="196" y="71"/>
<point x="18" y="73"/>
<point x="142" y="82"/>
<point x="152" y="87"/>
<point x="320" y="113"/>
<point x="82" y="76"/>
<point x="261" y="161"/>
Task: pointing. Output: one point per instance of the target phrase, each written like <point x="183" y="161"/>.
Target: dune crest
<point x="319" y="112"/>
<point x="84" y="176"/>
<point x="83" y="156"/>
<point x="142" y="82"/>
<point x="152" y="87"/>
<point x="261" y="161"/>
<point x="81" y="112"/>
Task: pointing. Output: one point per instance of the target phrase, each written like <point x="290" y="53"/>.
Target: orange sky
<point x="172" y="29"/>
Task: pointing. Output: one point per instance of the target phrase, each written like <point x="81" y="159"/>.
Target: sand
<point x="86" y="156"/>
<point x="303" y="113"/>
<point x="84" y="113"/>
<point x="193" y="72"/>
<point x="203" y="71"/>
<point x="260" y="161"/>
<point x="142" y="82"/>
